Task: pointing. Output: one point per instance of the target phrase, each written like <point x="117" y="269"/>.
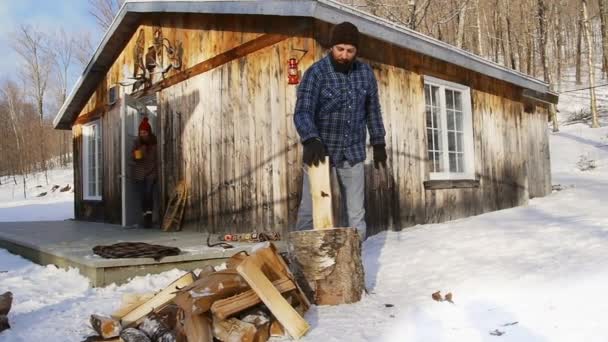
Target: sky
<point x="46" y="15"/>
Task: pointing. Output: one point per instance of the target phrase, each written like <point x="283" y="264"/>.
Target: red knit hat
<point x="145" y="126"/>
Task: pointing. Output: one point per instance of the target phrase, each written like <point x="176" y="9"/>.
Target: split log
<point x="4" y="323"/>
<point x="157" y="302"/>
<point x="196" y="328"/>
<point x="276" y="329"/>
<point x="6" y="301"/>
<point x="250" y="270"/>
<point x="233" y="330"/>
<point x="134" y="335"/>
<point x="155" y="328"/>
<point x="320" y="190"/>
<point x="201" y="294"/>
<point x="225" y="308"/>
<point x="129" y="302"/>
<point x="261" y="321"/>
<point x="274" y="268"/>
<point x="329" y="260"/>
<point x="105" y="327"/>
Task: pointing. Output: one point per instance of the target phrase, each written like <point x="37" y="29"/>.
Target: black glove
<point x="379" y="155"/>
<point x="314" y="152"/>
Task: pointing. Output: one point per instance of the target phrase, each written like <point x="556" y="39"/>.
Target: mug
<point x="138" y="154"/>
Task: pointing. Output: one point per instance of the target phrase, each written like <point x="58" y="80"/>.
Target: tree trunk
<point x="461" y="21"/>
<point x="559" y="43"/>
<point x="480" y="50"/>
<point x="594" y="116"/>
<point x="603" y="19"/>
<point x="579" y="49"/>
<point x="542" y="28"/>
<point x="330" y="262"/>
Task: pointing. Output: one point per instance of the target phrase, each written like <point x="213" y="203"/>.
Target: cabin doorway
<point x="132" y="112"/>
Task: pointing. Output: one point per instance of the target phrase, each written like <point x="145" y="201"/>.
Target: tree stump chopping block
<point x="329" y="260"/>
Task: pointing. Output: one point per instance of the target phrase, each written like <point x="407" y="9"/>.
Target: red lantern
<point x="293" y="75"/>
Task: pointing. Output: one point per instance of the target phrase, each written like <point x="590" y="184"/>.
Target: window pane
<point x="459" y="121"/>
<point x="460" y="161"/>
<point x="436" y="140"/>
<point x="451" y="141"/>
<point x="449" y="100"/>
<point x="458" y="100"/>
<point x="453" y="167"/>
<point x="437" y="118"/>
<point x="460" y="142"/>
<point x="427" y="95"/>
<point x="439" y="162"/>
<point x="429" y="117"/>
<point x="435" y="95"/>
<point x="429" y="138"/>
<point x="450" y="119"/>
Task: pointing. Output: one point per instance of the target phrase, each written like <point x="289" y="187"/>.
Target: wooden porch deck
<point x="69" y="244"/>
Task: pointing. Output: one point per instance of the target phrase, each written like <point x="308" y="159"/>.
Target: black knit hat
<point x="345" y="33"/>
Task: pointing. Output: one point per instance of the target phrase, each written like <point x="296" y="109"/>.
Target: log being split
<point x="330" y="262"/>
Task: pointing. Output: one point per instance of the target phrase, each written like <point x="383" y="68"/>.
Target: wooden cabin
<point x="465" y="136"/>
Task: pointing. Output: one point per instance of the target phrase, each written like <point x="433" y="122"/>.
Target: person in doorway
<point x="336" y="100"/>
<point x="145" y="169"/>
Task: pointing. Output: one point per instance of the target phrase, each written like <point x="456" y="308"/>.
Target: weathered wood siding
<point x="109" y="208"/>
<point x="229" y="132"/>
<point x="539" y="158"/>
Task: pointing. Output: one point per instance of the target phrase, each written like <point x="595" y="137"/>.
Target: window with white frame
<point x="449" y="129"/>
<point x="91" y="160"/>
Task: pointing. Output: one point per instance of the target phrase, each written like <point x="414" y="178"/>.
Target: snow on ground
<point x="54" y="206"/>
<point x="534" y="273"/>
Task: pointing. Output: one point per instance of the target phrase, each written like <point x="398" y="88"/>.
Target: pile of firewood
<point x="6" y="301"/>
<point x="253" y="298"/>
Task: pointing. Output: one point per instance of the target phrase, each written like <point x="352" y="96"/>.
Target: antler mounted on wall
<point x="145" y="66"/>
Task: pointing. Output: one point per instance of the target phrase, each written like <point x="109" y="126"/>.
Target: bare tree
<point x="104" y="11"/>
<point x="31" y="45"/>
<point x="461" y="25"/>
<point x="66" y="48"/>
<point x="12" y="96"/>
<point x="542" y="28"/>
<point x="594" y="121"/>
<point x="604" y="29"/>
<point x="579" y="49"/>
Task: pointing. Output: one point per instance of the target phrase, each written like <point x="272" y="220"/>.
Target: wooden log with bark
<point x="6" y="302"/>
<point x="106" y="327"/>
<point x="329" y="262"/>
<point x="201" y="294"/>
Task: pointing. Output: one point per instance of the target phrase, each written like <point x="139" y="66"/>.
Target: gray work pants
<point x="351" y="179"/>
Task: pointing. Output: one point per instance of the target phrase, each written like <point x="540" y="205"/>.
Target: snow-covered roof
<point x="127" y="21"/>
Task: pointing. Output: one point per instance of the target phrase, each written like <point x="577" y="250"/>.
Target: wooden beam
<point x="320" y="190"/>
<point x="96" y="113"/>
<point x="549" y="98"/>
<point x="243" y="50"/>
<point x="450" y="184"/>
<point x="295" y="325"/>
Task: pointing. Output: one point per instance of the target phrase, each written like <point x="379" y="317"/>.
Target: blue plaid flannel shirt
<point x="336" y="108"/>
